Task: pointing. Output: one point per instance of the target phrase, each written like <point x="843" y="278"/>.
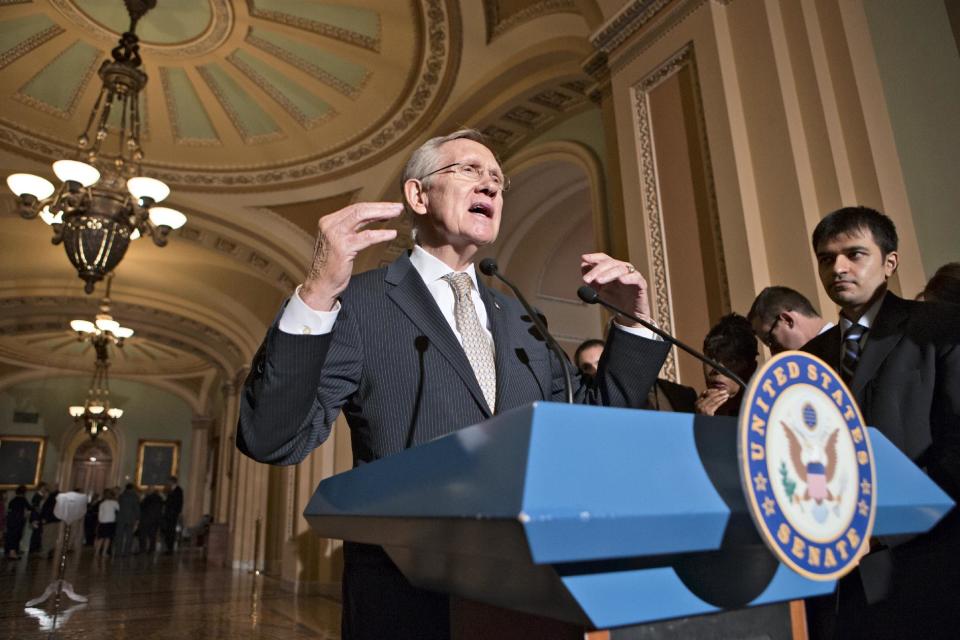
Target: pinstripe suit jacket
<point x="397" y="371"/>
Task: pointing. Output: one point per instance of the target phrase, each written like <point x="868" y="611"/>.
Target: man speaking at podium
<point x="418" y="350"/>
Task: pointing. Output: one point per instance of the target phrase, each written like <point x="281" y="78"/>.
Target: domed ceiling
<point x="239" y="93"/>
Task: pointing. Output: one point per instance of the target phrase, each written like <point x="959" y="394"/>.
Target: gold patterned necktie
<point x="476" y="343"/>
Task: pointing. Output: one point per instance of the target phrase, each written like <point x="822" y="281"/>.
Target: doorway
<point x="91" y="467"/>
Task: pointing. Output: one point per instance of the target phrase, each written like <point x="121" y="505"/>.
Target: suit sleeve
<point x="295" y="389"/>
<point x="628" y="368"/>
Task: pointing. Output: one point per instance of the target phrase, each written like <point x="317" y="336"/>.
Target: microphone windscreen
<point x="588" y="294"/>
<point x="488" y="266"/>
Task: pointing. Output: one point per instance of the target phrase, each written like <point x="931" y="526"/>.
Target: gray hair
<point x="424" y="160"/>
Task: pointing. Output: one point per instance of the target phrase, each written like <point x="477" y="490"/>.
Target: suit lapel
<point x="412" y="296"/>
<point x="886" y="332"/>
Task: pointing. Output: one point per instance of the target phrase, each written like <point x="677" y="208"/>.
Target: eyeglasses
<point x="767" y="338"/>
<point x="473" y="173"/>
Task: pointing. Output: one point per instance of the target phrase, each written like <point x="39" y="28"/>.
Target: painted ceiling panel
<point x="253" y="123"/>
<point x="57" y="87"/>
<point x="19" y="36"/>
<point x="356" y="25"/>
<point x="331" y="69"/>
<point x="188" y="116"/>
<point x="171" y="21"/>
<point x="305" y="107"/>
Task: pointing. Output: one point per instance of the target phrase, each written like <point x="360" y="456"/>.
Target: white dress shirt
<point x="298" y="318"/>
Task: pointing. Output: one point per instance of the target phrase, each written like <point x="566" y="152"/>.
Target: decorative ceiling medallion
<point x="220" y="25"/>
<point x="421" y="100"/>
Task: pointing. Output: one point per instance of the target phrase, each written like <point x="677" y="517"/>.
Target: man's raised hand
<point x="341" y="236"/>
<point x="619" y="282"/>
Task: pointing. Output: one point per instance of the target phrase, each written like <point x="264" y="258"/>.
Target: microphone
<point x="590" y="296"/>
<point x="488" y="267"/>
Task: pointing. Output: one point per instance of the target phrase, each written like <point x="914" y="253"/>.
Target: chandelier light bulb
<point x="123" y="332"/>
<point x="76" y="410"/>
<point x="95" y="409"/>
<point x="49" y="218"/>
<point x="114" y="413"/>
<point x="106" y="323"/>
<point x="83" y="326"/>
<point x="29" y="184"/>
<point x="147" y="188"/>
<point x="135" y="235"/>
<point x="77" y="171"/>
<point x="166" y="217"/>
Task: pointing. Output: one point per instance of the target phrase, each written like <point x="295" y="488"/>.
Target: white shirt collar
<point x="432" y="268"/>
<point x="866" y="320"/>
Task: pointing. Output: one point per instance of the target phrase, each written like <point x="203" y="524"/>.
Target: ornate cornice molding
<point x="656" y="240"/>
<point x="497" y="27"/>
<point x="655" y="18"/>
<point x="330" y="31"/>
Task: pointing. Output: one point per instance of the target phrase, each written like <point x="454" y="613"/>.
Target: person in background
<point x="172" y="507"/>
<point x="944" y="286"/>
<point x="36" y="522"/>
<point x="50" y="524"/>
<point x="587" y="356"/>
<point x="16" y="516"/>
<point x="90" y="520"/>
<point x="127" y="518"/>
<point x="784" y="319"/>
<point x="151" y="511"/>
<point x="731" y="343"/>
<point x="106" y="523"/>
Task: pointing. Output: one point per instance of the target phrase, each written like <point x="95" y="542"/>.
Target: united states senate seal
<point x="806" y="466"/>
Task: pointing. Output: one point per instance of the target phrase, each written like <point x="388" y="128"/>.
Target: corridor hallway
<point x="159" y="597"/>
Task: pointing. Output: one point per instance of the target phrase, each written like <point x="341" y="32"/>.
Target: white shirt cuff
<point x="299" y="319"/>
<point x="640" y="331"/>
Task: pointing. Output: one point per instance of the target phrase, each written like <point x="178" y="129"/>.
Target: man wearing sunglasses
<point x="419" y="349"/>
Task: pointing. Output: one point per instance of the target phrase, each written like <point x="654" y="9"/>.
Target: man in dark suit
<point x="901" y="360"/>
<point x="418" y="350"/>
<point x="172" y="506"/>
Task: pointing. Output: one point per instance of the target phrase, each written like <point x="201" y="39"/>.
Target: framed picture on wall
<point x="21" y="461"/>
<point x="157" y="460"/>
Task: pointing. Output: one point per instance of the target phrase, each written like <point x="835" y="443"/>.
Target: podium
<point x="597" y="517"/>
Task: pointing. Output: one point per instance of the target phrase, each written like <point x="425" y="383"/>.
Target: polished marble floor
<point x="156" y="598"/>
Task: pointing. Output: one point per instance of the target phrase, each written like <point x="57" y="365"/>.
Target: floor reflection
<point x="159" y="597"/>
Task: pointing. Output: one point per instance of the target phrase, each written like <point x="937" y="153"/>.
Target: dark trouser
<point x="148" y="538"/>
<point x="169" y="530"/>
<point x="13" y="535"/>
<point x="379" y="603"/>
<point x="123" y="538"/>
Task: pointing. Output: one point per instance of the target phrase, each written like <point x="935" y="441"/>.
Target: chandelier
<point x="104" y="202"/>
<point x="96" y="415"/>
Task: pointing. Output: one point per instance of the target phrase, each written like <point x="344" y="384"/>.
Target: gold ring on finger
<point x="630" y="268"/>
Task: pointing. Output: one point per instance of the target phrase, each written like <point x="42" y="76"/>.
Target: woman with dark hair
<point x="944" y="286"/>
<point x="16" y="520"/>
<point x="730" y="342"/>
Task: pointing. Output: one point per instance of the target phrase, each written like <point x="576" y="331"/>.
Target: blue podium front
<point x="596" y="516"/>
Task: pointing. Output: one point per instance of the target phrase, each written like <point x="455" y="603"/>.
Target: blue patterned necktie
<point x="476" y="343"/>
<point x="851" y="351"/>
